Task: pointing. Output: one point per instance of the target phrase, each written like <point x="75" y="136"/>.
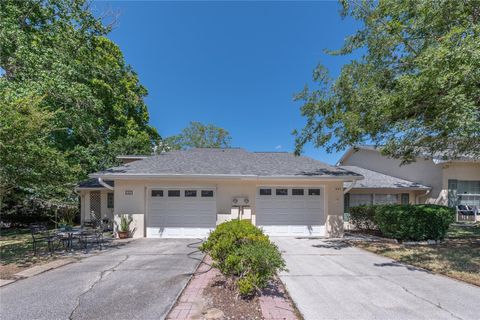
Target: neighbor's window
<point x="360" y="199"/>
<point x="174" y="193"/>
<point x="207" y="193"/>
<point x="190" y="193"/>
<point x="281" y="192"/>
<point x="157" y="193"/>
<point x="313" y="192"/>
<point x="265" y="192"/>
<point x="110" y="200"/>
<point x="385" y="199"/>
<point x="297" y="192"/>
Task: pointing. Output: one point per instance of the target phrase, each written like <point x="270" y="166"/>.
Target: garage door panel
<point x="292" y="214"/>
<point x="181" y="216"/>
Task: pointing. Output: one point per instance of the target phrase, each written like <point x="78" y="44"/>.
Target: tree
<point x="58" y="50"/>
<point x="416" y="89"/>
<point x="73" y="89"/>
<point x="198" y="135"/>
<point x="31" y="166"/>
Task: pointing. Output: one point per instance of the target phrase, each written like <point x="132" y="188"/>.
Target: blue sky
<point x="233" y="64"/>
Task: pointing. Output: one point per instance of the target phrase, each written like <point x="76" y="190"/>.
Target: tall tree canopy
<point x="416" y="89"/>
<point x="55" y="52"/>
<point x="198" y="135"/>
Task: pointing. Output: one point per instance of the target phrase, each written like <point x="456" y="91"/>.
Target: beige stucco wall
<point x="85" y="204"/>
<point x="136" y="204"/>
<point x="423" y="171"/>
<point x="459" y="171"/>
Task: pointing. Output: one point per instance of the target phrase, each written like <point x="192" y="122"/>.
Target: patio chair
<point x="92" y="236"/>
<point x="40" y="233"/>
<point x="464" y="212"/>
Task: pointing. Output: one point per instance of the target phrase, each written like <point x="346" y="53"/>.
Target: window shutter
<point x="405" y="198"/>
<point x="452" y="192"/>
<point x="346" y="206"/>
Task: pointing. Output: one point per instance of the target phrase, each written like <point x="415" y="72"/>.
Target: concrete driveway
<point x="328" y="279"/>
<point x="140" y="280"/>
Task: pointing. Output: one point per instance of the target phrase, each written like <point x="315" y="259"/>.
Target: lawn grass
<point x="16" y="252"/>
<point x="458" y="256"/>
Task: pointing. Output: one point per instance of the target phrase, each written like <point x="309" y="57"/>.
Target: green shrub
<point x="241" y="251"/>
<point x="414" y="222"/>
<point x="363" y="217"/>
<point x="228" y="236"/>
<point x="254" y="264"/>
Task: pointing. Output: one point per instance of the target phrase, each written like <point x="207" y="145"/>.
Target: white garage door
<point x="291" y="211"/>
<point x="181" y="213"/>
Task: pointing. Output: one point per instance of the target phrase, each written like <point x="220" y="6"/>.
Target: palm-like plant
<point x="125" y="221"/>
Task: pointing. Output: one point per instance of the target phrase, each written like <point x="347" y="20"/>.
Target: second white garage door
<point x="291" y="211"/>
<point x="181" y="213"/>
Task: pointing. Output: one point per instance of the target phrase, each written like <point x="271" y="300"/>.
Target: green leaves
<point x="198" y="135"/>
<point x="56" y="54"/>
<point x="415" y="89"/>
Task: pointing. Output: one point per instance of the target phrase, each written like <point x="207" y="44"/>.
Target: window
<point x="298" y="192"/>
<point x="281" y="192"/>
<point x="190" y="193"/>
<point x="468" y="193"/>
<point x="360" y="199"/>
<point x="174" y="193"/>
<point x="313" y="192"/>
<point x="385" y="199"/>
<point x="207" y="193"/>
<point x="110" y="200"/>
<point x="157" y="193"/>
<point x="468" y="187"/>
<point x="405" y="198"/>
<point x="265" y="192"/>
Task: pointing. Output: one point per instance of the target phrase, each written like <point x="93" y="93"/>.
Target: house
<point x="438" y="180"/>
<point x="187" y="193"/>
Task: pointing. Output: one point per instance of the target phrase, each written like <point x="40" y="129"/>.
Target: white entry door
<point x="291" y="211"/>
<point x="181" y="213"/>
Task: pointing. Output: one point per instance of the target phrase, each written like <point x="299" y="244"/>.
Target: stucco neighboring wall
<point x="457" y="171"/>
<point x="423" y="171"/>
<point x="136" y="203"/>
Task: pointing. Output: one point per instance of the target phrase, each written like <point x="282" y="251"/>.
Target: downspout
<point x="106" y="185"/>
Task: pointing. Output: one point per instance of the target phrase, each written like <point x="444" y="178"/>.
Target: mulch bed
<point x="221" y="294"/>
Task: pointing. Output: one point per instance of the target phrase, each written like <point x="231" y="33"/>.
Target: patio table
<point x="69" y="234"/>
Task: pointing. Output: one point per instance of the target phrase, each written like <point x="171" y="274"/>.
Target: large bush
<point x="240" y="250"/>
<point x="414" y="222"/>
<point x="363" y="217"/>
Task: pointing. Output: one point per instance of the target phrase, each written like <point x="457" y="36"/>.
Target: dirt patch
<point x="222" y="294"/>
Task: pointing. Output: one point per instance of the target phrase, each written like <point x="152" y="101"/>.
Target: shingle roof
<point x="93" y="183"/>
<point x="375" y="179"/>
<point x="438" y="157"/>
<point x="230" y="162"/>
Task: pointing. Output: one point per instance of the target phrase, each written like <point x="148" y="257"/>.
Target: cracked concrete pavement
<point x="328" y="279"/>
<point x="140" y="280"/>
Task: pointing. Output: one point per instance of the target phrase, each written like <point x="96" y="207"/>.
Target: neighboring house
<point x="450" y="182"/>
<point x="187" y="193"/>
<point x="379" y="188"/>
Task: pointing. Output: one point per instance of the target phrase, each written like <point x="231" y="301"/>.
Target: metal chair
<point x="464" y="212"/>
<point x="40" y="233"/>
<point x="92" y="236"/>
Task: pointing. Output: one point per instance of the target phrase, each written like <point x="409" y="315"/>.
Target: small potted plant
<point x="123" y="228"/>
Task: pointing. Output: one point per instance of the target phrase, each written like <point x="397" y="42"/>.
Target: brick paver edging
<point x="274" y="301"/>
<point x="190" y="303"/>
<point x="275" y="304"/>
